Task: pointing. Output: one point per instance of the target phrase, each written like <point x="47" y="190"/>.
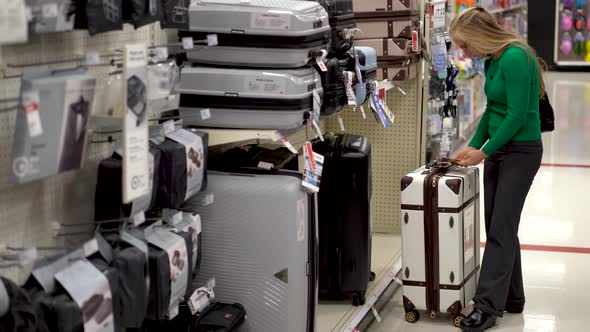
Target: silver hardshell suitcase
<point x="258" y="33"/>
<point x="260" y="244"/>
<point x="440" y="210"/>
<point x="247" y="98"/>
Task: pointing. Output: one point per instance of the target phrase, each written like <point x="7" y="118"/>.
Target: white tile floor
<point x="556" y="283"/>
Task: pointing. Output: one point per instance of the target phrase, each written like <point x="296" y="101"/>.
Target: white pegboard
<point x="28" y="211"/>
<point x="395" y="151"/>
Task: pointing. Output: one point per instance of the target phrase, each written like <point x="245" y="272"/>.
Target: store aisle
<point x="554" y="231"/>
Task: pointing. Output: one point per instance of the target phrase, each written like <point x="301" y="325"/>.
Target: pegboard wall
<point x="29" y="212"/>
<point x="395" y="151"/>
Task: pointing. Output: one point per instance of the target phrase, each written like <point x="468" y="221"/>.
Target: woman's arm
<point x="517" y="74"/>
<point x="481" y="135"/>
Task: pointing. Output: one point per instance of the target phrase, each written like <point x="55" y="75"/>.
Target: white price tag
<point x="376" y="314"/>
<point x="212" y="40"/>
<point x="211" y="283"/>
<point x="265" y="165"/>
<point x="439" y="12"/>
<point x="363" y="112"/>
<point x="168" y="127"/>
<point x="30" y="100"/>
<point x="138" y="219"/>
<point x="318" y="130"/>
<point x="92" y="58"/>
<point x="199" y="300"/>
<point x="288" y="145"/>
<point x="321" y="64"/>
<point x="49" y="10"/>
<point x="205" y="114"/>
<point x="341" y="122"/>
<point x="349" y="92"/>
<point x="161" y="53"/>
<point x="188" y="43"/>
<point x="90" y="247"/>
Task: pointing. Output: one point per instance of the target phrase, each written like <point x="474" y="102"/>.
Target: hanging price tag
<point x="376" y="314"/>
<point x="415" y="42"/>
<point x="349" y="92"/>
<point x="309" y="151"/>
<point x="341" y="122"/>
<point x="363" y="112"/>
<point x="168" y="127"/>
<point x="438" y="14"/>
<point x="285" y="141"/>
<point x="311" y="177"/>
<point x="212" y="40"/>
<point x="205" y="114"/>
<point x="321" y="64"/>
<point x="318" y="130"/>
<point x="30" y="100"/>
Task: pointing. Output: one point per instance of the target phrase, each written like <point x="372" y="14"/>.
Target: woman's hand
<point x="459" y="156"/>
<point x="472" y="158"/>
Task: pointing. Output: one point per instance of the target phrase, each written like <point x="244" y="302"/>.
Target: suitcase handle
<point x="443" y="163"/>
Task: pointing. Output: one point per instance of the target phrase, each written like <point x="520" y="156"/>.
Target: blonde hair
<point x="480" y="30"/>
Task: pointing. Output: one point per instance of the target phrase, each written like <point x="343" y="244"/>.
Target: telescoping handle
<point x="443" y="163"/>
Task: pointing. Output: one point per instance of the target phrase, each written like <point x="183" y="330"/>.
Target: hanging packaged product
<point x="99" y="15"/>
<point x="183" y="167"/>
<point x="51" y="15"/>
<point x="169" y="274"/>
<point x="248" y="98"/>
<point x="50" y="135"/>
<point x="175" y="14"/>
<point x="108" y="199"/>
<point x="13" y="18"/>
<point x="258" y="33"/>
<point x="163" y="82"/>
<point x="567" y="22"/>
<point x="135" y="124"/>
<point x="142" y="12"/>
<point x="566" y="45"/>
<point x="90" y="289"/>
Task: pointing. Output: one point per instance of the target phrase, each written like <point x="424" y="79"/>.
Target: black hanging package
<point x="159" y="293"/>
<point x="109" y="196"/>
<point x="98" y="16"/>
<point x="175" y="14"/>
<point x="56" y="312"/>
<point x="21" y="315"/>
<point x="113" y="276"/>
<point x="183" y="167"/>
<point x="221" y="317"/>
<point x="133" y="291"/>
<point x="141" y="12"/>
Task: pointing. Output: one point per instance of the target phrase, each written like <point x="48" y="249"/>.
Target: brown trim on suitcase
<point x="385" y="47"/>
<point x="384" y="17"/>
<point x="413" y="207"/>
<point x="413" y="283"/>
<point x="462" y="284"/>
<point x="406" y="182"/>
<point x="460" y="208"/>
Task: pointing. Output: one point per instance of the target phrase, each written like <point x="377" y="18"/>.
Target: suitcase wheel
<point x="372" y="276"/>
<point x="458" y="319"/>
<point x="412" y="316"/>
<point x="358" y="299"/>
<point x="433" y="314"/>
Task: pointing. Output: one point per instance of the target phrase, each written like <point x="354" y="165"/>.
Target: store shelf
<point x="507" y="10"/>
<point x="470" y="131"/>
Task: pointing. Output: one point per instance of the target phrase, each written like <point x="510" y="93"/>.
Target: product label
<point x="348" y="76"/>
<point x="469" y="233"/>
<point x="192" y="224"/>
<point x="175" y="246"/>
<point x="439" y="52"/>
<point x="199" y="300"/>
<point x="265" y="85"/>
<point x="13" y="18"/>
<point x="44" y="273"/>
<point x="270" y="21"/>
<point x="135" y="127"/>
<point x="195" y="162"/>
<point x="438" y="16"/>
<point x="205" y="114"/>
<point x="90" y="289"/>
<point x="311" y="177"/>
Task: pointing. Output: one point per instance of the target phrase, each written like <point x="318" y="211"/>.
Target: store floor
<point x="554" y="230"/>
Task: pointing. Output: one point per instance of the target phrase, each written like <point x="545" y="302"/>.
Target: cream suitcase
<point x="399" y="69"/>
<point x="440" y="239"/>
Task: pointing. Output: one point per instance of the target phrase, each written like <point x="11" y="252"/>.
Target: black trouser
<point x="508" y="175"/>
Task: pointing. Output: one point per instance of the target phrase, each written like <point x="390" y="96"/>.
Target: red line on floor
<point x="565" y="165"/>
<point x="534" y="247"/>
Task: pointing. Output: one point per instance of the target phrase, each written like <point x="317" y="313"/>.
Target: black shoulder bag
<point x="546" y="114"/>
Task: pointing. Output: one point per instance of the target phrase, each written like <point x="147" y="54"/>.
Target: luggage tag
<point x="315" y="119"/>
<point x="320" y="61"/>
<point x="312" y="173"/>
<point x="279" y="137"/>
<point x="349" y="91"/>
<point x="30" y="100"/>
<point x="362" y="108"/>
<point x="341" y="122"/>
<point x="376" y="106"/>
<point x="202" y="297"/>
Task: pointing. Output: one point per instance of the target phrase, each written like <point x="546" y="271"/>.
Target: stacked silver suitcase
<point x="258" y="76"/>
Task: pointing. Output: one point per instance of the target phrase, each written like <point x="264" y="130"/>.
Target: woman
<point x="509" y="139"/>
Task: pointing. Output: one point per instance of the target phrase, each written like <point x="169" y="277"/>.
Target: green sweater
<point x="512" y="112"/>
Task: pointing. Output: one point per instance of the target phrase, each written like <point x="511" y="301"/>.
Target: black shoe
<point x="478" y="321"/>
<point x="514" y="309"/>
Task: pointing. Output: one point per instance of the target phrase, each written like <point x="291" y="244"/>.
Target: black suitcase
<point x="341" y="18"/>
<point x="345" y="216"/>
<point x="333" y="84"/>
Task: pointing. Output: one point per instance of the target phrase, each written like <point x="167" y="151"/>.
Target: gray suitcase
<point x="260" y="244"/>
<point x="258" y="33"/>
<point x="247" y="98"/>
